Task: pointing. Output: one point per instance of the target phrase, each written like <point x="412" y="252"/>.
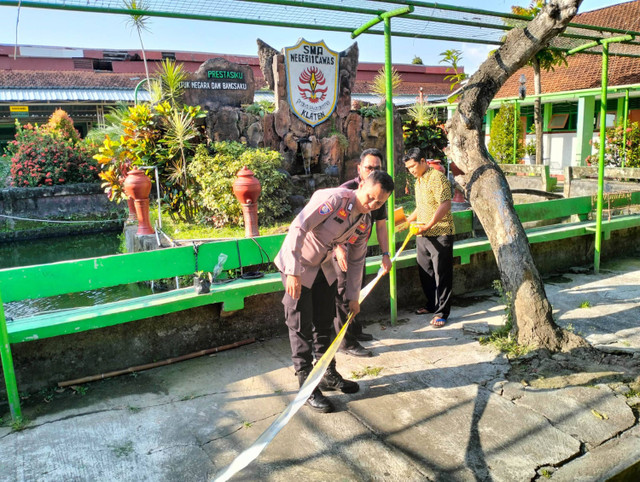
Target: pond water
<point x="51" y="250"/>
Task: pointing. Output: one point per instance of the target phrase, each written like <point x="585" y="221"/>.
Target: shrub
<point x="215" y="174"/>
<point x="501" y="142"/>
<point x="615" y="152"/>
<point x="40" y="157"/>
<point x="427" y="135"/>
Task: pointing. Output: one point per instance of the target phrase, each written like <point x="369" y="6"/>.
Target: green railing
<point x="81" y="275"/>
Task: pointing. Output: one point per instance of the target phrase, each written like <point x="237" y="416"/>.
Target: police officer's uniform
<point x="326" y="221"/>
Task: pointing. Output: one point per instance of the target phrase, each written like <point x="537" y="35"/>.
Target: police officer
<point x="305" y="260"/>
<point x="370" y="161"/>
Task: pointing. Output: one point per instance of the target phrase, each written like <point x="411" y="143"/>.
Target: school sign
<point x="312" y="80"/>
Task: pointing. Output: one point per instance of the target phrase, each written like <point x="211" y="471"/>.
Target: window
<point x="558" y="121"/>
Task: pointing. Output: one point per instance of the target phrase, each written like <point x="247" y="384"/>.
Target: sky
<point x="108" y="31"/>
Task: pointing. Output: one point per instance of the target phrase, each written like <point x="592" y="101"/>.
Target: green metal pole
<point x="393" y="291"/>
<point x="135" y="92"/>
<point x="625" y="120"/>
<point x="603" y="128"/>
<point x="386" y="18"/>
<point x="515" y="131"/>
<point x="7" y="368"/>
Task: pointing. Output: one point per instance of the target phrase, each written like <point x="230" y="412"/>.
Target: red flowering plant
<point x="40" y="158"/>
<point x="618" y="147"/>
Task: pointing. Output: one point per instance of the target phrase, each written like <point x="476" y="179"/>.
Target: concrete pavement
<point x="434" y="404"/>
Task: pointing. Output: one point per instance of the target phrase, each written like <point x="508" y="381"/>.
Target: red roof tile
<point x="584" y="70"/>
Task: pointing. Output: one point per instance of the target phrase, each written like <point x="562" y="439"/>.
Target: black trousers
<point x="435" y="265"/>
<point x="342" y="311"/>
<point x="309" y="319"/>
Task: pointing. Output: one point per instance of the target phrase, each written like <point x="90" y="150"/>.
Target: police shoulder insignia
<point x="325" y="209"/>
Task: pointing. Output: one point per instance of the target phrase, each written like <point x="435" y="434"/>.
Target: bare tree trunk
<point x="485" y="185"/>
<point x="537" y="111"/>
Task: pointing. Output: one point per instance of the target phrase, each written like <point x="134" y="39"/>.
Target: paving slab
<point x="434" y="404"/>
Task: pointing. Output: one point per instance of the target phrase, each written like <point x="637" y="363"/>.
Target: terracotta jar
<point x="247" y="189"/>
<point x="138" y="186"/>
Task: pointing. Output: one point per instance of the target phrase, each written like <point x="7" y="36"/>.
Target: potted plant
<point x="202" y="282"/>
<point x="530" y="149"/>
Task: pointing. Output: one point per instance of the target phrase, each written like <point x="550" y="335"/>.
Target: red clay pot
<point x="138" y="186"/>
<point x="247" y="189"/>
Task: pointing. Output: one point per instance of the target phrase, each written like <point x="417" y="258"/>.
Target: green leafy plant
<point x="585" y="304"/>
<point x="616" y="153"/>
<point x="260" y="108"/>
<point x="452" y="58"/>
<point x="122" y="450"/>
<point x="215" y="173"/>
<point x="503" y="338"/>
<point x="370" y="111"/>
<point x="501" y="142"/>
<point x="530" y="148"/>
<point x="430" y="137"/>
<point x="421" y="113"/>
<point x="139" y="22"/>
<point x="366" y="371"/>
<point x="416" y="60"/>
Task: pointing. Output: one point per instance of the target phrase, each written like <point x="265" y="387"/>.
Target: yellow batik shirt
<point x="432" y="189"/>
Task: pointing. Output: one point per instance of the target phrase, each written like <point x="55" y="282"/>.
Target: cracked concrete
<point x="441" y="408"/>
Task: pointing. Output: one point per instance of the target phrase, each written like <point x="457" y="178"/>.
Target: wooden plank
<point x="87" y="274"/>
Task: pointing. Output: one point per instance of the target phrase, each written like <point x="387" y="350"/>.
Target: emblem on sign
<point x="312" y="80"/>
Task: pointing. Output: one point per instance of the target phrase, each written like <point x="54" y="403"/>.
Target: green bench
<point x="41" y="281"/>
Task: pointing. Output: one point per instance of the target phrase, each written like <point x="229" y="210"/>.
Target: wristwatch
<point x="386" y="253"/>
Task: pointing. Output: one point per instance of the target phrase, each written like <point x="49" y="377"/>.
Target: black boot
<point x="332" y="380"/>
<point x="316" y="400"/>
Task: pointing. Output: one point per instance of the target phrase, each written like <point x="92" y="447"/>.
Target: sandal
<point x="422" y="311"/>
<point x="438" y="322"/>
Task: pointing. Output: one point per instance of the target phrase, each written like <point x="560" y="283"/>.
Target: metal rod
<point x="386" y="17"/>
<point x="7" y="367"/>
<point x="625" y="121"/>
<point x="169" y="361"/>
<point x="393" y="289"/>
<point x="135" y="91"/>
<point x="515" y="131"/>
<point x="603" y="128"/>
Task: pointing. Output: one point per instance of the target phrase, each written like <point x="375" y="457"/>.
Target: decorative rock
<point x="330" y="152"/>
<point x="270" y="138"/>
<point x="223" y="124"/>
<point x="279" y="78"/>
<point x="353" y="128"/>
<point x="290" y="141"/>
<point x="348" y="67"/>
<point x="265" y="57"/>
<point x="218" y="82"/>
<point x="282" y="118"/>
<point x="254" y="134"/>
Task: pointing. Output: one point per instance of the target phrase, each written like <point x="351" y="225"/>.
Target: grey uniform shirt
<point x="325" y="222"/>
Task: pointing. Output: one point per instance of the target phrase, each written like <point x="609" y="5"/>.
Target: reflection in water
<point x="51" y="250"/>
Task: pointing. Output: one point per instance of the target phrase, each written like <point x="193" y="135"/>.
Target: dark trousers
<point x="309" y="319"/>
<point x="435" y="265"/>
<point x="342" y="311"/>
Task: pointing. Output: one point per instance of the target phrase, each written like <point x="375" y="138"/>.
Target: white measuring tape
<point x="250" y="454"/>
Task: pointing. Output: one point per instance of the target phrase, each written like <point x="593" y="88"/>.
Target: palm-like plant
<point x="139" y="22"/>
<point x="379" y="86"/>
